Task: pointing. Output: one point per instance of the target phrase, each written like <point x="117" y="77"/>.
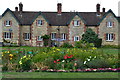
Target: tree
<point x="46" y="40"/>
<point x="91" y="37"/>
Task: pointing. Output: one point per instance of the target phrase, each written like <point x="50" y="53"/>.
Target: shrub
<point x="66" y="45"/>
<point x="91" y="37"/>
<point x="4" y="68"/>
<point x="98" y="63"/>
<point x="83" y="44"/>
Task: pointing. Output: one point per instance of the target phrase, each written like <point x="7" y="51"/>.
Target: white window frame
<point x="27" y="36"/>
<point x="40" y="22"/>
<point x="109" y="24"/>
<point x="76" y="23"/>
<point x="63" y="36"/>
<point x="109" y="37"/>
<point x="7" y="35"/>
<point x="39" y="38"/>
<point x="8" y="23"/>
<point x="76" y="39"/>
<point x="53" y="36"/>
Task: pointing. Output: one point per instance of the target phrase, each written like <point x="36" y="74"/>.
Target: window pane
<point x="53" y="36"/>
<point x="39" y="22"/>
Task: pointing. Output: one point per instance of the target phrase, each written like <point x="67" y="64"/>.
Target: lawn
<point x="60" y="75"/>
<point x="104" y="50"/>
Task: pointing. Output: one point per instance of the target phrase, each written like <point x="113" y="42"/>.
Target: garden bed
<point x="22" y="59"/>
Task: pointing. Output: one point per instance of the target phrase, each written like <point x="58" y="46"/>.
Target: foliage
<point x="66" y="45"/>
<point x="83" y="44"/>
<point x="45" y="36"/>
<point x="91" y="37"/>
<point x="46" y="39"/>
<point x="20" y="59"/>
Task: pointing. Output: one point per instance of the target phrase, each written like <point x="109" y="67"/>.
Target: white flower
<point x="63" y="61"/>
<point x="85" y="62"/>
<point x="95" y="57"/>
<point x="88" y="59"/>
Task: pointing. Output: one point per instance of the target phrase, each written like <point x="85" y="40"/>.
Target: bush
<point x="83" y="44"/>
<point x="4" y="68"/>
<point x="91" y="37"/>
<point x="111" y="46"/>
<point x="66" y="45"/>
<point x="98" y="43"/>
<point x="98" y="63"/>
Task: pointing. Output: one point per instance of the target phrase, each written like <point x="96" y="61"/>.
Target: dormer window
<point x="76" y="23"/>
<point x="109" y="24"/>
<point x="40" y="22"/>
<point x="7" y="23"/>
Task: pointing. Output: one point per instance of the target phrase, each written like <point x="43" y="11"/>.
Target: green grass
<point x="60" y="75"/>
<point x="104" y="50"/>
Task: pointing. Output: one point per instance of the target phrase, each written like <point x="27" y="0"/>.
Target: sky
<point x="67" y="5"/>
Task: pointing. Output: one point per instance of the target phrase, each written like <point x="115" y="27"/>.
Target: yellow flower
<point x="8" y="52"/>
<point x="94" y="48"/>
<point x="11" y="55"/>
<point x="58" y="49"/>
<point x="24" y="56"/>
<point x="10" y="58"/>
<point x="2" y="55"/>
<point x="20" y="62"/>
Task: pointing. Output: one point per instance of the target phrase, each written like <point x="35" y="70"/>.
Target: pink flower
<point x="55" y="61"/>
<point x="58" y="59"/>
<point x="20" y="51"/>
<point x="65" y="57"/>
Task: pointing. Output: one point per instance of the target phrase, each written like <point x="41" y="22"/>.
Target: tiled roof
<point x="27" y="18"/>
<point x="118" y="18"/>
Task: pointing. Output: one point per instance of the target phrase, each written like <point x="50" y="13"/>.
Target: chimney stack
<point x="59" y="8"/>
<point x="16" y="8"/>
<point x="98" y="8"/>
<point x="20" y="6"/>
<point x="103" y="9"/>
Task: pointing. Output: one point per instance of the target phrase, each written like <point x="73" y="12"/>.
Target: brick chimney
<point x="98" y="8"/>
<point x="20" y="6"/>
<point x="59" y="8"/>
<point x="16" y="8"/>
<point x="103" y="9"/>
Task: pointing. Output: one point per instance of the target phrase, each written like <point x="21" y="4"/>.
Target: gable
<point x="9" y="12"/>
<point x="39" y="16"/>
<point x="108" y="16"/>
<point x="76" y="16"/>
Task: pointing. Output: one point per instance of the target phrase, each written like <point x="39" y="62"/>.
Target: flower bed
<point x="59" y="60"/>
<point x="79" y="70"/>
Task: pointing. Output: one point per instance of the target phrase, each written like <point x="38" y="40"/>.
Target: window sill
<point x="76" y="25"/>
<point x="40" y="25"/>
<point x="109" y="26"/>
<point x="39" y="40"/>
<point x="27" y="39"/>
<point x="7" y="25"/>
<point x="7" y="38"/>
<point x="78" y="40"/>
<point x="53" y="39"/>
<point x="109" y="40"/>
